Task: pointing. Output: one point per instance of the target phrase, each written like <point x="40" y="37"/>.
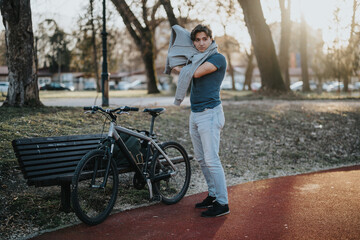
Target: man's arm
<point x="204" y="69"/>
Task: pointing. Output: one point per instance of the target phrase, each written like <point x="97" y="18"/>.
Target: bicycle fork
<point x="108" y="154"/>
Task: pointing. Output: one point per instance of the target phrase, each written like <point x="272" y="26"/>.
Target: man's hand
<point x="177" y="69"/>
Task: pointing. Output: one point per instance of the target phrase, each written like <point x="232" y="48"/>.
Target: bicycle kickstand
<point x="152" y="197"/>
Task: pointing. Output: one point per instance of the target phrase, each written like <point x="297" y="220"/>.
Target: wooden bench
<point x="51" y="161"/>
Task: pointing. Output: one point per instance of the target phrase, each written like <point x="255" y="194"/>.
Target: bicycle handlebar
<point x="126" y="109"/>
<point x="121" y="109"/>
<point x="87" y="108"/>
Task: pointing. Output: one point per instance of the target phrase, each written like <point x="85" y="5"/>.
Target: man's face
<point x="202" y="41"/>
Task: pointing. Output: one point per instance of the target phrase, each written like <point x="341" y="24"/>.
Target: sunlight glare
<point x="319" y="14"/>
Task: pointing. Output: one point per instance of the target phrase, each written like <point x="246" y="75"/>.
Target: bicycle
<point x="164" y="168"/>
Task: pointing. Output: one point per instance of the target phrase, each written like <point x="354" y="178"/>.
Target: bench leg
<point x="65" y="197"/>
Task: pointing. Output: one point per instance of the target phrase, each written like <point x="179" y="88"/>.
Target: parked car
<point x="298" y="86"/>
<point x="335" y="86"/>
<point x="137" y="85"/>
<point x="227" y="85"/>
<point x="255" y="86"/>
<point x="55" y="86"/>
<point x="4" y="86"/>
<point x="357" y="86"/>
<point x="124" y="85"/>
<point x="89" y="86"/>
<point x="70" y="86"/>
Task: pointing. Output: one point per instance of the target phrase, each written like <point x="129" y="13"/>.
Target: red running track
<point x="321" y="205"/>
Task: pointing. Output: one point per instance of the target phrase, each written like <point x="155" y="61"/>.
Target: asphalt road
<point x="144" y="101"/>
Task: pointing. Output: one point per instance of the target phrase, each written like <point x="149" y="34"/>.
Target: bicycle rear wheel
<point x="92" y="201"/>
<point x="171" y="188"/>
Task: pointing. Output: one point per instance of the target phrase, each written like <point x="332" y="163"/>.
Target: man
<point x="206" y="121"/>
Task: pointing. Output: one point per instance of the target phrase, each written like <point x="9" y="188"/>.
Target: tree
<point x="23" y="87"/>
<point x="2" y="49"/>
<point x="320" y="66"/>
<point x="53" y="46"/>
<point x="60" y="56"/>
<point x="143" y="36"/>
<point x="285" y="40"/>
<point x="303" y="54"/>
<point x="271" y="79"/>
<point x="228" y="46"/>
<point x="94" y="46"/>
<point x="352" y="50"/>
<point x="169" y="12"/>
<point x="88" y="43"/>
<point x="249" y="68"/>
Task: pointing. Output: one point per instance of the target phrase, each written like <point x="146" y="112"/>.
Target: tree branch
<point x="132" y="24"/>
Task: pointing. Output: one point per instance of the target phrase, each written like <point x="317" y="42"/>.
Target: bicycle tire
<point x="93" y="204"/>
<point x="173" y="188"/>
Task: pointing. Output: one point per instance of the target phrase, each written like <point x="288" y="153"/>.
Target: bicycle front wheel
<point x="93" y="196"/>
<point x="171" y="188"/>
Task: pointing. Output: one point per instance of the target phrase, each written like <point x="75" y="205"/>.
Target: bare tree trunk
<point x="228" y="56"/>
<point x="249" y="69"/>
<point x="144" y="39"/>
<point x="148" y="56"/>
<point x="23" y="85"/>
<point x="303" y="53"/>
<point x="169" y="12"/>
<point x="346" y="83"/>
<point x="263" y="46"/>
<point x="93" y="42"/>
<point x="231" y="71"/>
<point x="351" y="48"/>
<point x="285" y="41"/>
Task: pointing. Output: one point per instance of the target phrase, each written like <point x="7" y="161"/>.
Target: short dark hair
<point x="200" y="28"/>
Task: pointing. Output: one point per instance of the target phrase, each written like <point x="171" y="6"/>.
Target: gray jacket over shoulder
<point x="183" y="52"/>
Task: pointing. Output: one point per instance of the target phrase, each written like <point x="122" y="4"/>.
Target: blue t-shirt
<point x="205" y="91"/>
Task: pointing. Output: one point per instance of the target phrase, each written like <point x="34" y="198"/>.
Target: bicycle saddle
<point x="154" y="111"/>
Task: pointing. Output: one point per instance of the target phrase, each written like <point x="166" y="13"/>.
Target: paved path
<point x="143" y="101"/>
<point x="168" y="101"/>
<point x="316" y="206"/>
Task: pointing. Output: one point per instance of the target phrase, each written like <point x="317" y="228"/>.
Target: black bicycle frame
<point x="114" y="133"/>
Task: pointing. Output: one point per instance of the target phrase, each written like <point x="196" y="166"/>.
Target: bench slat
<point x="49" y="166"/>
<point x="57" y="179"/>
<point x="52" y="171"/>
<point x="53" y="155"/>
<point x="44" y="146"/>
<point x="58" y="149"/>
<point x="59" y="170"/>
<point x="29" y="167"/>
<point x="39" y="140"/>
<point x="51" y="161"/>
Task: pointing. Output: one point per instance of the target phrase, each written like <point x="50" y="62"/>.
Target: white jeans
<point x="205" y="128"/>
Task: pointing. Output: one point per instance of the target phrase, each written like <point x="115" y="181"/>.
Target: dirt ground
<point x="261" y="139"/>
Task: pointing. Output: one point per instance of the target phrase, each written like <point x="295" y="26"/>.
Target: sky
<point x="318" y="14"/>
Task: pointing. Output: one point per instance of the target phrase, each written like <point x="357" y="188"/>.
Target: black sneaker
<point x="216" y="210"/>
<point x="207" y="202"/>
